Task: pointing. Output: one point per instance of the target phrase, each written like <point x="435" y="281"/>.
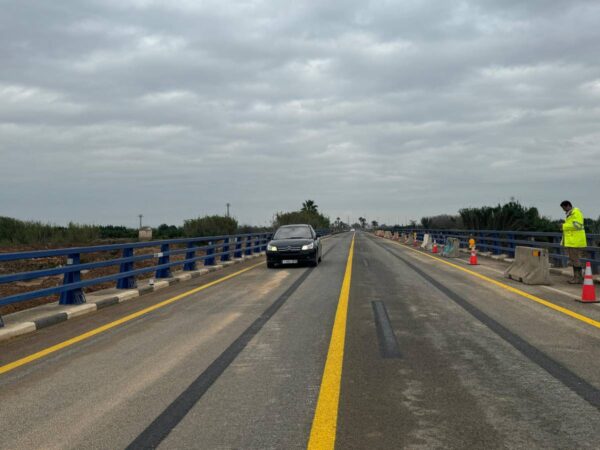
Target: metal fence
<point x="71" y="290"/>
<point x="502" y="241"/>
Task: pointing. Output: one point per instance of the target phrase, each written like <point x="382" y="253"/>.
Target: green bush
<point x="117" y="232"/>
<point x="14" y="231"/>
<point x="165" y="231"/>
<point x="210" y="226"/>
<point x="317" y="220"/>
<point x="510" y="216"/>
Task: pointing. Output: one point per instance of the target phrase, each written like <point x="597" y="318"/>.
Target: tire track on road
<point x="578" y="385"/>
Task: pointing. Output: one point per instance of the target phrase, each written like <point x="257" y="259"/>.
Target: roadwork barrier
<point x="387" y="234"/>
<point x="451" y="248"/>
<point x="531" y="266"/>
<point x="426" y="244"/>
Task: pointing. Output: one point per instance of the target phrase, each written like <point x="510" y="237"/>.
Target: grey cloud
<point x="383" y="109"/>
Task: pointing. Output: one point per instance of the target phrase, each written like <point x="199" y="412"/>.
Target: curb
<point x="51" y="314"/>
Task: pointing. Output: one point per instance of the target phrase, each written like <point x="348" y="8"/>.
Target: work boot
<point x="577" y="276"/>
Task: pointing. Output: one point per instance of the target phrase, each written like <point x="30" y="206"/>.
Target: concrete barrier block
<point x="387" y="234"/>
<point x="426" y="241"/>
<point x="500" y="257"/>
<point x="451" y="248"/>
<point x="531" y="266"/>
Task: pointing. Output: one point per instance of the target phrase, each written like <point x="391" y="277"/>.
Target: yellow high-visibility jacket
<point x="573" y="231"/>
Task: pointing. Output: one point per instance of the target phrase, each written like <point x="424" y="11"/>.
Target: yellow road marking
<point x="324" y="426"/>
<point x="514" y="290"/>
<point x="82" y="337"/>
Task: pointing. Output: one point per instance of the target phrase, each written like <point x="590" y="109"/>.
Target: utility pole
<point x="140" y="216"/>
<point x="228" y="205"/>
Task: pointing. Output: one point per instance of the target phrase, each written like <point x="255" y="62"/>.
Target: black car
<point x="294" y="244"/>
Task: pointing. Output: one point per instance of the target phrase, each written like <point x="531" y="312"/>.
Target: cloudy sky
<point x="387" y="109"/>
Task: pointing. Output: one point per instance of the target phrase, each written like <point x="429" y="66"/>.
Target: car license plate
<point x="289" y="261"/>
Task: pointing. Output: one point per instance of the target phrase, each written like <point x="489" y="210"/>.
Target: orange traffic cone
<point x="434" y="249"/>
<point x="473" y="259"/>
<point x="588" y="293"/>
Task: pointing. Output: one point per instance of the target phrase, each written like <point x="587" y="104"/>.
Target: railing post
<point x="210" y="261"/>
<point x="190" y="254"/>
<point x="593" y="255"/>
<point x="163" y="259"/>
<point x="248" y="250"/>
<point x="127" y="282"/>
<point x="225" y="250"/>
<point x="265" y="241"/>
<point x="1" y="322"/>
<point x="511" y="244"/>
<point x="256" y="248"/>
<point x="74" y="296"/>
<point x="558" y="249"/>
<point x="238" y="247"/>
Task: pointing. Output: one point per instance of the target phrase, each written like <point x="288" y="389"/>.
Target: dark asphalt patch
<point x="388" y="344"/>
<point x="577" y="384"/>
<point x="160" y="428"/>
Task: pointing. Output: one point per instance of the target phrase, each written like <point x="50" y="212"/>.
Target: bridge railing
<point x="206" y="249"/>
<point x="503" y="241"/>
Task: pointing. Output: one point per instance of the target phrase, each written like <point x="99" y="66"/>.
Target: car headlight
<point x="308" y="246"/>
<point x="271" y="248"/>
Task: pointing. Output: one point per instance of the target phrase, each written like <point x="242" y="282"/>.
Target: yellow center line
<point x="514" y="290"/>
<point x="82" y="337"/>
<point x="324" y="426"/>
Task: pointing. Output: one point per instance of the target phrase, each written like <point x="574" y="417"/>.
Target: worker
<point x="574" y="239"/>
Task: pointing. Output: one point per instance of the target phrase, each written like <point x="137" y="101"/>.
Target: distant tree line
<point x="308" y="214"/>
<point x="510" y="216"/>
<point x="35" y="233"/>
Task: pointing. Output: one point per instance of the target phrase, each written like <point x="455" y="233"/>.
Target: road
<point x="430" y="356"/>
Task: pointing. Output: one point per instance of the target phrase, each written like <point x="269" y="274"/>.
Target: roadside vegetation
<point x="308" y="214"/>
<point x="511" y="216"/>
<point x="15" y="233"/>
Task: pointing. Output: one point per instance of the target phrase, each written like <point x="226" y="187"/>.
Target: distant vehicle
<point x="294" y="244"/>
<point x="352" y="229"/>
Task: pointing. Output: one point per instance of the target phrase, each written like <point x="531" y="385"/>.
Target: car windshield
<point x="293" y="233"/>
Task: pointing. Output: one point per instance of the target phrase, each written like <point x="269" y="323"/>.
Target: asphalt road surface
<point x="426" y="355"/>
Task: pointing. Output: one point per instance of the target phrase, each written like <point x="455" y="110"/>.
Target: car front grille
<point x="289" y="248"/>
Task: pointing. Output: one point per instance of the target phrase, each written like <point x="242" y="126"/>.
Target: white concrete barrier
<point x="531" y="266"/>
<point x="426" y="241"/>
<point x="451" y="248"/>
<point x="387" y="234"/>
<point x="410" y="240"/>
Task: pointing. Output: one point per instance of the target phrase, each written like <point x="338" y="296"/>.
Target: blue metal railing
<point x="71" y="290"/>
<point x="505" y="241"/>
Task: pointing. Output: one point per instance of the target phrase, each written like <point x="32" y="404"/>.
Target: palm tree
<point x="309" y="206"/>
<point x="362" y="221"/>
